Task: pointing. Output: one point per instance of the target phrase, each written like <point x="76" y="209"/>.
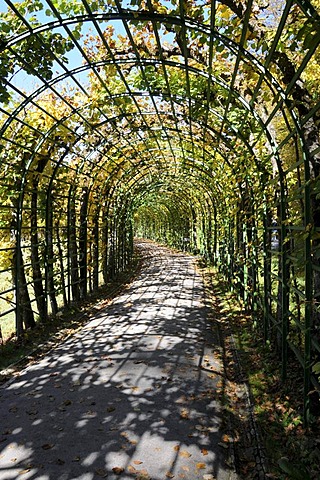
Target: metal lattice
<point x="194" y="123"/>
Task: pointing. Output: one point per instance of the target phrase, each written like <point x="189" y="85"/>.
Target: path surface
<point x="130" y="397"/>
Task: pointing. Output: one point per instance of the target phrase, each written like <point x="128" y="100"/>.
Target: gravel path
<point x="133" y="396"/>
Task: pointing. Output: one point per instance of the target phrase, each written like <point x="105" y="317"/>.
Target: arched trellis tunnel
<point x="193" y="123"/>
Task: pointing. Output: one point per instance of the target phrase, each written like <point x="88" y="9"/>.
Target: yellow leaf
<point x="201" y="465"/>
<point x="132" y="470"/>
<point x="185" y="454"/>
<point x="184" y="414"/>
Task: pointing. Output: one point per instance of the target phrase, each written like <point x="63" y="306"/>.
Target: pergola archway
<point x="194" y="123"/>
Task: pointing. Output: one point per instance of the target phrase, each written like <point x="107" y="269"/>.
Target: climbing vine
<point x="193" y="123"/>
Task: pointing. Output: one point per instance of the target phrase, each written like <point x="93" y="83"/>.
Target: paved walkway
<point x="130" y="397"/>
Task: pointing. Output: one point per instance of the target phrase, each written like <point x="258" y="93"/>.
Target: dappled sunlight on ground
<point x="132" y="396"/>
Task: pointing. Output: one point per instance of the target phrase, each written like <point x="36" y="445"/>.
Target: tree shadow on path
<point x="134" y="395"/>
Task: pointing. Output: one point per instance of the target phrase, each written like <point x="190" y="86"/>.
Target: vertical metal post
<point x="245" y="259"/>
<point x="83" y="237"/>
<point x="308" y="289"/>
<point x="17" y="225"/>
<point x="254" y="291"/>
<point x="266" y="277"/>
<point x="68" y="246"/>
<point x="17" y="259"/>
<point x="284" y="282"/>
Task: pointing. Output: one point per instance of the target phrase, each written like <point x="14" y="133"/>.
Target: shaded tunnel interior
<point x="191" y="123"/>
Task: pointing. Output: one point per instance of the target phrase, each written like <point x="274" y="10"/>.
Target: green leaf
<point x="76" y="34"/>
<point x="316" y="368"/>
<point x="5" y="27"/>
<point x="311" y="40"/>
<point x="294" y="472"/>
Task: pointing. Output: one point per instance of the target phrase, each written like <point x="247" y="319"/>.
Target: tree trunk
<point x="24" y="313"/>
<point x="25" y="318"/>
<point x="35" y="257"/>
<point x="73" y="251"/>
<point x="83" y="234"/>
<point x="62" y="270"/>
<point x="96" y="250"/>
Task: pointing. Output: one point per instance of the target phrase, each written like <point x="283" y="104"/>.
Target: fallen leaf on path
<point x="148" y="390"/>
<point x="101" y="472"/>
<point x="32" y="412"/>
<point x="111" y="409"/>
<point x="118" y="470"/>
<point x="90" y="413"/>
<point x="204" y="451"/>
<point x="26" y="470"/>
<point x="143" y="475"/>
<point x="47" y="446"/>
<point x="132" y="470"/>
<point x="176" y="448"/>
<point x="169" y="475"/>
<point x="185" y="454"/>
<point x="201" y="465"/>
<point x="184" y="414"/>
<point x="182" y="399"/>
<point x="137" y="462"/>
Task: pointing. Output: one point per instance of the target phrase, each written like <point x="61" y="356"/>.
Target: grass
<point x="7" y="322"/>
<point x="290" y="451"/>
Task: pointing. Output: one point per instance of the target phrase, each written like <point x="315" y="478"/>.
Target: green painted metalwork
<point x="187" y="130"/>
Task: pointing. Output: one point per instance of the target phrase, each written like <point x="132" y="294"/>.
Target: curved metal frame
<point x="208" y="153"/>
